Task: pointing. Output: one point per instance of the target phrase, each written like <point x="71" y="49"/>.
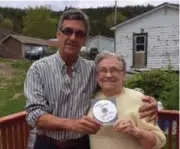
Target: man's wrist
<point x="69" y="124"/>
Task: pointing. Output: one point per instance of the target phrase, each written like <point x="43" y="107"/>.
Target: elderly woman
<point x="129" y="131"/>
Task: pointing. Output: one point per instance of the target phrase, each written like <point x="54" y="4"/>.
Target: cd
<point x="104" y="111"/>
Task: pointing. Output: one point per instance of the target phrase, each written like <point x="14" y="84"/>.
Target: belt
<point x="67" y="143"/>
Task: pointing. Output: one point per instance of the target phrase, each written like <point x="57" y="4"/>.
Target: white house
<point x="101" y="43"/>
<point x="150" y="40"/>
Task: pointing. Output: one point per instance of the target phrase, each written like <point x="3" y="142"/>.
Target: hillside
<point x="98" y="17"/>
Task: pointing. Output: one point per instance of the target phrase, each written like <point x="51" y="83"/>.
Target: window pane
<point x="139" y="47"/>
<point x="140" y="39"/>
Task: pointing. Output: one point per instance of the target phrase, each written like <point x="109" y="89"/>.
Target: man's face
<point x="72" y="37"/>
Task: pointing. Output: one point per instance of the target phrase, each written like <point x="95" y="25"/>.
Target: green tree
<point x="7" y="23"/>
<point x="97" y="17"/>
<point x="110" y="19"/>
<point x="39" y="23"/>
<point x="1" y="18"/>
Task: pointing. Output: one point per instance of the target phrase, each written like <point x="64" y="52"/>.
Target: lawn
<point x="12" y="75"/>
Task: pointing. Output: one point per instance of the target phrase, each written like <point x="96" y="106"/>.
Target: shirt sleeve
<point x="36" y="103"/>
<point x="154" y="128"/>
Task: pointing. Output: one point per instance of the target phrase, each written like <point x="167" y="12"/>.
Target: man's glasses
<point x="70" y="31"/>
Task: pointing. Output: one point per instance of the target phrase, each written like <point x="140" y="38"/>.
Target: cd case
<point x="106" y="109"/>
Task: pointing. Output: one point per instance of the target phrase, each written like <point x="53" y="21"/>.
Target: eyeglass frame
<point x="72" y="31"/>
<point x="105" y="71"/>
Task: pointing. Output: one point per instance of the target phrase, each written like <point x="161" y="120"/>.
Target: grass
<point x="12" y="75"/>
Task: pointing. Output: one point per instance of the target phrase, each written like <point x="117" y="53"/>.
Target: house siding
<point x="13" y="49"/>
<point x="101" y="44"/>
<point x="162" y="27"/>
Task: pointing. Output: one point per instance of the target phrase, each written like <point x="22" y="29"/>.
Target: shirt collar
<point x="76" y="66"/>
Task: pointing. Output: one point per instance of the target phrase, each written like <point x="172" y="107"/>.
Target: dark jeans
<point x="48" y="143"/>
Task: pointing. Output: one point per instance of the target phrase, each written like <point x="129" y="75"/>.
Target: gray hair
<point x="74" y="14"/>
<point x="106" y="54"/>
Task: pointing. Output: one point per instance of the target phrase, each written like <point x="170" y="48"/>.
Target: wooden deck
<point x="14" y="130"/>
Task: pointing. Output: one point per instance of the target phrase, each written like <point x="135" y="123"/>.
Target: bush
<point x="163" y="85"/>
<point x="90" y="55"/>
<point x="52" y="49"/>
<point x="84" y="55"/>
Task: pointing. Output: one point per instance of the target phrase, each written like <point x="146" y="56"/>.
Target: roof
<point x="53" y="39"/>
<point x="174" y="6"/>
<point x="53" y="43"/>
<point x="4" y="32"/>
<point x="99" y="36"/>
<point x="27" y="40"/>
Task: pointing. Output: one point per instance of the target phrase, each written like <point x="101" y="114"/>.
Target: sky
<point x="61" y="4"/>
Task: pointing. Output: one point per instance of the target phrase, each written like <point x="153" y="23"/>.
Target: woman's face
<point x="110" y="74"/>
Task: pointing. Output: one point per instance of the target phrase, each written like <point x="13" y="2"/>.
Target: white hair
<point x="105" y="54"/>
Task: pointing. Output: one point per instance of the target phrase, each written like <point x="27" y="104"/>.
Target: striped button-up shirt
<point x="49" y="89"/>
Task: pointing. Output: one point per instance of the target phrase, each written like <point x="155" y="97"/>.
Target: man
<point x="58" y="88"/>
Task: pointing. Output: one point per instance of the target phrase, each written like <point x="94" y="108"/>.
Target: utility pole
<point x="115" y="14"/>
<point x="115" y="17"/>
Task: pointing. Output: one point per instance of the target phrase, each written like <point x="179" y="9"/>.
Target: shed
<point x="16" y="46"/>
<point x="101" y="43"/>
<point x="150" y="40"/>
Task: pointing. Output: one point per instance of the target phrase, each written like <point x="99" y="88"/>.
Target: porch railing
<point x="14" y="130"/>
<point x="170" y="119"/>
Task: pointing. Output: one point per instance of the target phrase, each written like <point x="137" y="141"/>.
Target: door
<point x="140" y="50"/>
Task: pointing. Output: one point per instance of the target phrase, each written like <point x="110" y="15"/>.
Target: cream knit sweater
<point x="128" y="103"/>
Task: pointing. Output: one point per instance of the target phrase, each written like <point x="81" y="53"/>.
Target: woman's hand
<point x="126" y="126"/>
<point x="146" y="138"/>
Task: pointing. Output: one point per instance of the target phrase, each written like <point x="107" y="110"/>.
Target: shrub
<point x="163" y="85"/>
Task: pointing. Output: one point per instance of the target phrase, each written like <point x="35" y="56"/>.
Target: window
<point x="140" y="42"/>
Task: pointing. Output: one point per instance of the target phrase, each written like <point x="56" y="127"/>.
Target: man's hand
<point x="149" y="110"/>
<point x="85" y="125"/>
